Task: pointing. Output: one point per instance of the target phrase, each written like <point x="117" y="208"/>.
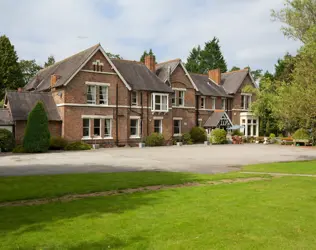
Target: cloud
<point x="172" y="28"/>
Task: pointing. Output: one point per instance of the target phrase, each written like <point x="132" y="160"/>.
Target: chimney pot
<point x="215" y="75"/>
<point x="19" y="89"/>
<point x="150" y="63"/>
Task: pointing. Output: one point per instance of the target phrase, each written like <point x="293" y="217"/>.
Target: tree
<point x="113" y="56"/>
<point x="50" y="61"/>
<point x="211" y="57"/>
<point x="284" y="68"/>
<point x="37" y="136"/>
<point x="234" y="68"/>
<point x="10" y="73"/>
<point x="299" y="16"/>
<point x="29" y="69"/>
<point x="151" y="53"/>
<point x="256" y="74"/>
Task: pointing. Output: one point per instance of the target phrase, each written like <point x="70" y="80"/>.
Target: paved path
<point x="195" y="158"/>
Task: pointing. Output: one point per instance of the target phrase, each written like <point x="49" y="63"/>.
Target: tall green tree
<point x="113" y="56"/>
<point x="234" y="68"/>
<point x="284" y="68"/>
<point x="50" y="61"/>
<point x="37" y="135"/>
<point x="151" y="53"/>
<point x="210" y="57"/>
<point x="298" y="16"/>
<point x="29" y="69"/>
<point x="10" y="73"/>
<point x="256" y="74"/>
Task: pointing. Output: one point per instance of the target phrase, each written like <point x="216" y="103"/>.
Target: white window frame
<point x="153" y="104"/>
<point x="247" y="99"/>
<point x="137" y="118"/>
<point x="160" y="125"/>
<point x="106" y="101"/>
<point x="224" y="100"/>
<point x="203" y="101"/>
<point x="104" y="125"/>
<point x="93" y="94"/>
<point x="213" y="103"/>
<point x="89" y="129"/>
<point x="200" y="121"/>
<point x="97" y="66"/>
<point x="136" y="96"/>
<point x="180" y="126"/>
<point x="174" y="98"/>
<point x="100" y="128"/>
<point x="181" y="98"/>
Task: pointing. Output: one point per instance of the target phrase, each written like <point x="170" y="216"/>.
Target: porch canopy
<point x="218" y="119"/>
<point x="236" y="127"/>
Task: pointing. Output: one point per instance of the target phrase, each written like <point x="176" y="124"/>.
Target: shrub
<point x="272" y="136"/>
<point x="218" y="136"/>
<point x="301" y="134"/>
<point x="237" y="133"/>
<point x="155" y="140"/>
<point x="36" y="137"/>
<point x="57" y="143"/>
<point x="19" y="149"/>
<point x="198" y="134"/>
<point x="74" y="146"/>
<point x="186" y="138"/>
<point x="7" y="142"/>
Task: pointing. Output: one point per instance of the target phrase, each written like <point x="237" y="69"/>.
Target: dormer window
<point x="97" y="66"/>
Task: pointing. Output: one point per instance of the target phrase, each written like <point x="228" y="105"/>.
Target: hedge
<point x="75" y="146"/>
<point x="7" y="141"/>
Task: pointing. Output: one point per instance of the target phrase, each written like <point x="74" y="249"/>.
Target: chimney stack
<point x="150" y="62"/>
<point x="215" y="75"/>
<point x="53" y="80"/>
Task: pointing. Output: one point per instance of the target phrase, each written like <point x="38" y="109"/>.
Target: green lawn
<point x="272" y="214"/>
<point x="30" y="187"/>
<point x="304" y="167"/>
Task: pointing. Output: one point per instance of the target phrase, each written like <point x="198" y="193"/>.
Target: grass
<point x="304" y="167"/>
<point x="49" y="186"/>
<point x="274" y="214"/>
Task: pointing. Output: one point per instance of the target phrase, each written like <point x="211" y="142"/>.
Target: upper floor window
<point x="103" y="94"/>
<point x="245" y="101"/>
<point x="134" y="98"/>
<point x="91" y="94"/>
<point x="213" y="103"/>
<point x="159" y="102"/>
<point x="203" y="102"/>
<point x="97" y="66"/>
<point x="181" y="98"/>
<point x="223" y="103"/>
<point x="174" y="99"/>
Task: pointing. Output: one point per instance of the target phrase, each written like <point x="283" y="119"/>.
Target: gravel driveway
<point x="195" y="158"/>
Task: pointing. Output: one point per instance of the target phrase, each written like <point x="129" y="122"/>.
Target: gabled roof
<point x="22" y="103"/>
<point x="215" y="119"/>
<point x="232" y="81"/>
<point x="207" y="87"/>
<point x="65" y="69"/>
<point x="165" y="69"/>
<point x="139" y="77"/>
<point x="5" y="117"/>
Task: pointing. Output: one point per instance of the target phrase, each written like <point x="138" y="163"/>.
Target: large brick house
<point x="93" y="98"/>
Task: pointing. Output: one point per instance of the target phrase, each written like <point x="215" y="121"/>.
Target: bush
<point x="198" y="135"/>
<point x="237" y="133"/>
<point x="155" y="140"/>
<point x="19" y="149"/>
<point x="186" y="138"/>
<point x="57" y="143"/>
<point x="218" y="136"/>
<point x="301" y="134"/>
<point x="74" y="146"/>
<point x="36" y="137"/>
<point x="272" y="136"/>
<point x="7" y="141"/>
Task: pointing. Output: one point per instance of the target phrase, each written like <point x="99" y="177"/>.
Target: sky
<point x="247" y="34"/>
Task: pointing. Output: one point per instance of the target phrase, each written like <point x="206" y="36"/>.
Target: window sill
<point x="160" y="111"/>
<point x="134" y="137"/>
<point x="177" y="135"/>
<point x="97" y="138"/>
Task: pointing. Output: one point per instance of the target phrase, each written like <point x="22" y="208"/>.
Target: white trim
<point x="188" y="75"/>
<point x="98" y="72"/>
<point x="109" y="61"/>
<point x="180" y="126"/>
<point x="97" y="138"/>
<point x="89" y="136"/>
<point x="200" y="119"/>
<point x="97" y="105"/>
<point x="134" y="117"/>
<point x="177" y="118"/>
<point x="248" y="94"/>
<point x="181" y="107"/>
<point x="203" y="98"/>
<point x="160" y="125"/>
<point x="225" y="99"/>
<point x="134" y="137"/>
<point x="158" y="118"/>
<point x="97" y="116"/>
<point x="138" y="127"/>
<point x="153" y="95"/>
<point x="98" y="83"/>
<point x="180" y="89"/>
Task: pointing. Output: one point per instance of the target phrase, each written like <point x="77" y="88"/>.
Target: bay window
<point x="159" y="102"/>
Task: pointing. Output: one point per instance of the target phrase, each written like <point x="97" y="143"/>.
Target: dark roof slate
<point x="139" y="77"/>
<point x="164" y="69"/>
<point x="232" y="81"/>
<point x="65" y="69"/>
<point x="22" y="103"/>
<point x="207" y="87"/>
<point x="5" y="117"/>
<point x="214" y="119"/>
